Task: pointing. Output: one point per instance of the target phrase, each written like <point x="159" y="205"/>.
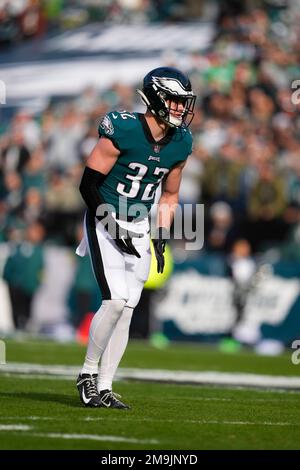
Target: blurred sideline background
<point x="66" y="63"/>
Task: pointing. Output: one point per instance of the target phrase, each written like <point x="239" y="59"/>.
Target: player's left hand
<point x="159" y="243"/>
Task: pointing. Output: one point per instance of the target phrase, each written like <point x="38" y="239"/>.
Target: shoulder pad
<point x="116" y="122"/>
<point x="123" y="119"/>
<point x="187" y="141"/>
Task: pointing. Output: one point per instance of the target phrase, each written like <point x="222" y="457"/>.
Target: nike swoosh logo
<point x="85" y="400"/>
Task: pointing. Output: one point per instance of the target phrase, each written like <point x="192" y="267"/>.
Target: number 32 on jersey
<point x="132" y="189"/>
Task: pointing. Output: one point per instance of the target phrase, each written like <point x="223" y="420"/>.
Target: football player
<point x="134" y="154"/>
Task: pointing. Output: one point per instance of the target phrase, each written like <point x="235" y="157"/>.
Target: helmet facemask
<point x="178" y="110"/>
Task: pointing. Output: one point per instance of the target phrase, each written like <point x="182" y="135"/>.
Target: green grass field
<point x="45" y="413"/>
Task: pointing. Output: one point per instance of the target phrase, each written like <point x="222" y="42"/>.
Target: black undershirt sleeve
<point x="89" y="188"/>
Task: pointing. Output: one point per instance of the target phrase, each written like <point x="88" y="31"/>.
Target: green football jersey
<point x="142" y="163"/>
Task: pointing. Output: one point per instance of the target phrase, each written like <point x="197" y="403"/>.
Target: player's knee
<point x="125" y="320"/>
<point x="134" y="298"/>
<point x="115" y="307"/>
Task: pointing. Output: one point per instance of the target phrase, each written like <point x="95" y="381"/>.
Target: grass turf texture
<point x="163" y="416"/>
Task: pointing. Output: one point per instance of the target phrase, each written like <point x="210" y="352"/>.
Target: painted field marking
<point x="95" y="437"/>
<point x="235" y="379"/>
<point x="15" y="427"/>
<point x="152" y="420"/>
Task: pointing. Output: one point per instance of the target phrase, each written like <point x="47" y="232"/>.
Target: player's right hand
<point x="121" y="236"/>
<point x="123" y="240"/>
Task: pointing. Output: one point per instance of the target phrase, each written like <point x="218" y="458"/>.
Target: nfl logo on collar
<point x="156" y="148"/>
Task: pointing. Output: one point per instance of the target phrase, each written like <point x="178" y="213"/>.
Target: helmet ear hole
<point x="162" y="95"/>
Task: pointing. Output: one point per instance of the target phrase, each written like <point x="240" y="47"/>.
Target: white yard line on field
<point x="95" y="437"/>
<point x="14" y="427"/>
<point x="201" y="421"/>
<point x="234" y="379"/>
<point x="152" y="420"/>
<point x="34" y="418"/>
<point x="28" y="375"/>
<point x="92" y="437"/>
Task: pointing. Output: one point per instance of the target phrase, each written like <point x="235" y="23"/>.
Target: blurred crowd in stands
<point x="23" y="19"/>
<point x="245" y="165"/>
<point x="20" y="20"/>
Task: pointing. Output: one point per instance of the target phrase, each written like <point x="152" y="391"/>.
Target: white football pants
<point x="121" y="278"/>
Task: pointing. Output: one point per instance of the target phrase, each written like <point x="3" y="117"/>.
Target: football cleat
<point x="111" y="400"/>
<point x="87" y="388"/>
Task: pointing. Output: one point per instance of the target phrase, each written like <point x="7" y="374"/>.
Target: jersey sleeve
<point x="109" y="130"/>
<point x="186" y="147"/>
<point x="115" y="127"/>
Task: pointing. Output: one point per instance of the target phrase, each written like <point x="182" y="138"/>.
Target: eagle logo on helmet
<point x="171" y="85"/>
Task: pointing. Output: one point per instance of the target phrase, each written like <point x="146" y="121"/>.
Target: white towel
<point x="82" y="248"/>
